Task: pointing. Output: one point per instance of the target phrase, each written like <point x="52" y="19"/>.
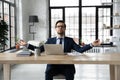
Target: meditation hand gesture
<point x="96" y="43"/>
<point x="22" y="43"/>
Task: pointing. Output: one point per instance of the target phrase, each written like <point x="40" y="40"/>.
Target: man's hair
<point x="60" y="21"/>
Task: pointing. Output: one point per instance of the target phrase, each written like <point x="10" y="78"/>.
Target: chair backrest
<point x="60" y="76"/>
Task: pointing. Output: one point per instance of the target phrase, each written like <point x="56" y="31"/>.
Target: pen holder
<point x="37" y="52"/>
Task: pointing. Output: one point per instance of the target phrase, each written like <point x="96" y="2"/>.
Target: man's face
<point x="60" y="28"/>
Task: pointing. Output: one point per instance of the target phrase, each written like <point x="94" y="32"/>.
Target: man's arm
<point x="30" y="46"/>
<point x="86" y="47"/>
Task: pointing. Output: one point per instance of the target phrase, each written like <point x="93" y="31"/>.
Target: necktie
<point x="60" y="40"/>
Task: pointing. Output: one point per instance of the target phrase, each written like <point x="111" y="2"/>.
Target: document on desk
<point x="24" y="53"/>
<point x="74" y="53"/>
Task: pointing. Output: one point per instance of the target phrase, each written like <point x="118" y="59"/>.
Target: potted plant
<point x="3" y="34"/>
<point x="17" y="45"/>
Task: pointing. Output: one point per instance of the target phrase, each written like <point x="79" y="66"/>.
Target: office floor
<point x="36" y="72"/>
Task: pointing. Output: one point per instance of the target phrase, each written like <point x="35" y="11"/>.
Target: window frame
<point x="10" y="4"/>
<point x="80" y="18"/>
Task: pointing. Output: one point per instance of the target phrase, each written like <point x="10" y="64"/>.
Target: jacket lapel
<point x="65" y="43"/>
<point x="54" y="40"/>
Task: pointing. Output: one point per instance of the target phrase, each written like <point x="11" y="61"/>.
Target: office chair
<point x="59" y="76"/>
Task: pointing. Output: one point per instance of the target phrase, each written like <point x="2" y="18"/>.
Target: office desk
<point x="89" y="58"/>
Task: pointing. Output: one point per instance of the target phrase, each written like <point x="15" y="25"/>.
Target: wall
<point x="33" y="7"/>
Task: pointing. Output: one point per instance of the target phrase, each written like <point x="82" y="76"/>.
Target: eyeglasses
<point x="60" y="27"/>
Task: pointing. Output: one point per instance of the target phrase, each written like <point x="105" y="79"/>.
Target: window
<point x="95" y="2"/>
<point x="93" y="23"/>
<point x="72" y="21"/>
<point x="7" y="13"/>
<point x="71" y="16"/>
<point x="64" y="3"/>
<point x="11" y="1"/>
<point x="1" y="8"/>
<point x="64" y="10"/>
<point x="56" y="14"/>
<point x="84" y="18"/>
<point x="104" y="18"/>
<point x="88" y="24"/>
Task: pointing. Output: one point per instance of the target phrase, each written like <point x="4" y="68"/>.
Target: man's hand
<point x="22" y="43"/>
<point x="96" y="43"/>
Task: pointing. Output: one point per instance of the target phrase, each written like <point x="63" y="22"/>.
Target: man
<point x="68" y="70"/>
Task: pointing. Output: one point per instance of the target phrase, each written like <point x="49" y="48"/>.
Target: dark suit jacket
<point x="69" y="45"/>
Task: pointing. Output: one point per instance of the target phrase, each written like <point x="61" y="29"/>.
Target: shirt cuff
<point x="91" y="45"/>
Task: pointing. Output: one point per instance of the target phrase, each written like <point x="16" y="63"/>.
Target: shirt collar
<point x="60" y="37"/>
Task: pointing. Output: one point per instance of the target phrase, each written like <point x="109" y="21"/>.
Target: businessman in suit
<point x="68" y="70"/>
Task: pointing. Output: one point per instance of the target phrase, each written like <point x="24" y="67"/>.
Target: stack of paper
<point x="24" y="53"/>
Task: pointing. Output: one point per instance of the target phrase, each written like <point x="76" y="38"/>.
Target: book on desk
<point x="24" y="53"/>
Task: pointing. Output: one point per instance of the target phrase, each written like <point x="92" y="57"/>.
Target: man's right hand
<point x="22" y="43"/>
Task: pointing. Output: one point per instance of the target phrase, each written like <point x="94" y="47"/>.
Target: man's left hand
<point x="96" y="43"/>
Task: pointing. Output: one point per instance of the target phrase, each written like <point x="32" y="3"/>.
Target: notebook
<point x="53" y="49"/>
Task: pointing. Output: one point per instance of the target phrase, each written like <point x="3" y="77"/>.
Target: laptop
<point x="53" y="49"/>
